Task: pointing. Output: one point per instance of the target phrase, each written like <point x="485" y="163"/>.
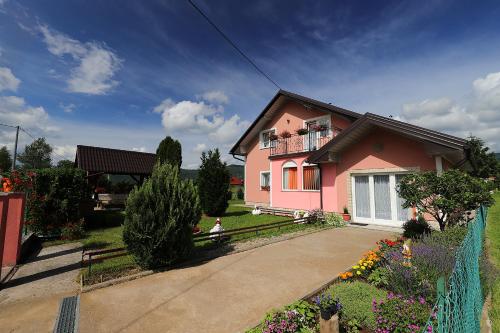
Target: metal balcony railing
<point x="301" y="143"/>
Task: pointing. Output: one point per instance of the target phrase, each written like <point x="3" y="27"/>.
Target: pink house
<point x="304" y="154"/>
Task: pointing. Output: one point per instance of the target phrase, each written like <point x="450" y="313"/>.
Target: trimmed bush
<point x="159" y="218"/>
<point x="356" y="299"/>
<point x="213" y="184"/>
<point x="416" y="228"/>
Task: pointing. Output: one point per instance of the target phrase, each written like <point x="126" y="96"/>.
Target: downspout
<point x="320" y="187"/>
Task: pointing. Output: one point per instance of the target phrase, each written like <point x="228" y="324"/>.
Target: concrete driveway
<point x="228" y="294"/>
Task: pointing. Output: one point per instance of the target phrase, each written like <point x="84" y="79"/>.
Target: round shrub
<point x="356" y="299"/>
<point x="159" y="218"/>
<point x="416" y="228"/>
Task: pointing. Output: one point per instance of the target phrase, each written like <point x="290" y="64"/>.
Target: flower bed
<point x="388" y="290"/>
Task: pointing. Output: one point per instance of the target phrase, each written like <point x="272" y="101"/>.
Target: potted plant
<point x="346" y="216"/>
<point x="302" y="131"/>
<point x="273" y="137"/>
<point x="285" y="134"/>
<point x="265" y="188"/>
<point x="328" y="306"/>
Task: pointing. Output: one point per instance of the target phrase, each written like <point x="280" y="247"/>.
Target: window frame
<point x="288" y="165"/>
<point x="261" y="139"/>
<point x="305" y="164"/>
<point x="260" y="179"/>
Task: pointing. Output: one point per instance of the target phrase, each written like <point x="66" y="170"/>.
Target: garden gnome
<point x="256" y="210"/>
<point x="407" y="253"/>
<point x="217" y="228"/>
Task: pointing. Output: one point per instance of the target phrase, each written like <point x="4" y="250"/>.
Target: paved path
<point x="30" y="300"/>
<point x="228" y="294"/>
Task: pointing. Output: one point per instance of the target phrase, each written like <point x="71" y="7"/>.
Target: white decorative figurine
<point x="256" y="210"/>
<point x="217" y="228"/>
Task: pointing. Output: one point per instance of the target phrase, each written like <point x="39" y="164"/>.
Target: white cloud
<point x="68" y="108"/>
<point x="66" y="152"/>
<point x="200" y="147"/>
<point x="230" y="130"/>
<point x="140" y="149"/>
<point x="7" y="80"/>
<point x="216" y="96"/>
<point x="481" y="116"/>
<point x="15" y="111"/>
<point x="97" y="64"/>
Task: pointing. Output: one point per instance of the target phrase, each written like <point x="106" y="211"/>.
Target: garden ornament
<point x="256" y="210"/>
<point x="407" y="253"/>
<point x="217" y="228"/>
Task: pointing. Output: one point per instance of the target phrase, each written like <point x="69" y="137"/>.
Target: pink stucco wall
<point x="296" y="199"/>
<point x="290" y="118"/>
<point x="397" y="152"/>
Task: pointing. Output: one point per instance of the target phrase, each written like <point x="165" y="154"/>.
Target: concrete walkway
<point x="30" y="300"/>
<point x="228" y="294"/>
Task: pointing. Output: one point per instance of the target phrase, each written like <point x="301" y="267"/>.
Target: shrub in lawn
<point x="416" y="228"/>
<point x="159" y="218"/>
<point x="240" y="194"/>
<point x="401" y="314"/>
<point x="213" y="183"/>
<point x="356" y="299"/>
<point x="335" y="220"/>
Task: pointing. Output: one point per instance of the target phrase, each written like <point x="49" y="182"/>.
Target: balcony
<point x="295" y="143"/>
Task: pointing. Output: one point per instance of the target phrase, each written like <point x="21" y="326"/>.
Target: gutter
<point x="237" y="158"/>
<point x="320" y="187"/>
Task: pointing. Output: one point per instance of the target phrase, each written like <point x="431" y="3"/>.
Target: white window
<point x="265" y="138"/>
<point x="376" y="200"/>
<point x="310" y="177"/>
<point x="265" y="180"/>
<point x="289" y="176"/>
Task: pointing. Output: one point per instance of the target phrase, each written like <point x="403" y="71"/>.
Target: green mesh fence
<point x="460" y="301"/>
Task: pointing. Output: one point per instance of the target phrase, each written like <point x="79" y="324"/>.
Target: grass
<point x="493" y="236"/>
<point x="236" y="216"/>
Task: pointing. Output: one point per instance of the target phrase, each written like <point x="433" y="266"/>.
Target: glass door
<point x="311" y="138"/>
<point x="362" y="197"/>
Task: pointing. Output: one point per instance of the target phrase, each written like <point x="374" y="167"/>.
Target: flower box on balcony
<point x="302" y="131"/>
<point x="285" y="134"/>
<point x="265" y="188"/>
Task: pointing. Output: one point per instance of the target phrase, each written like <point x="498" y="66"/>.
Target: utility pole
<point x="15" y="149"/>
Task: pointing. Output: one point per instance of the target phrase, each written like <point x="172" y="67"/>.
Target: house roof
<point x="281" y="97"/>
<point x="236" y="181"/>
<point x="114" y="161"/>
<point x="452" y="147"/>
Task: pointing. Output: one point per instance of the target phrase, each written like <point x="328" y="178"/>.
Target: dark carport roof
<point x="114" y="161"/>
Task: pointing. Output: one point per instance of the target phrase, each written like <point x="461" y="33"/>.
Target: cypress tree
<point x="213" y="183"/>
<point x="159" y="218"/>
<point x="169" y="151"/>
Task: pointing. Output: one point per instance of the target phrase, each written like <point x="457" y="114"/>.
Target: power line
<point x="232" y="43"/>
<point x="8" y="125"/>
<point x="53" y="152"/>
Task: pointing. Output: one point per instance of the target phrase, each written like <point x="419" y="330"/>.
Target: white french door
<point x="375" y="199"/>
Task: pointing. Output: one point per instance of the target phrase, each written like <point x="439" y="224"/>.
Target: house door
<point x="311" y="139"/>
<point x="375" y="199"/>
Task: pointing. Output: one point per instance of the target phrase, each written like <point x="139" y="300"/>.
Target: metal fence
<point x="460" y="301"/>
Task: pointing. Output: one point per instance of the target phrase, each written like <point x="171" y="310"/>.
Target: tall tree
<point x="36" y="155"/>
<point x="484" y="162"/>
<point x="169" y="151"/>
<point x="65" y="164"/>
<point x="213" y="183"/>
<point x="5" y="159"/>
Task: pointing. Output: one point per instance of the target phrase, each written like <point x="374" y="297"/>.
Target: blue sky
<point x="124" y="74"/>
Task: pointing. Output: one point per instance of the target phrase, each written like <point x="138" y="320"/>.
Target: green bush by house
<point x="159" y="218"/>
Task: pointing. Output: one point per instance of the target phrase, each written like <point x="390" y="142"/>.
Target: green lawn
<point x="236" y="216"/>
<point x="493" y="235"/>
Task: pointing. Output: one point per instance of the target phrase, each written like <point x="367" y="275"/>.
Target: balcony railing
<point x="301" y="143"/>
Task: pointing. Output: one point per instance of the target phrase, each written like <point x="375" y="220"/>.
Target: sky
<point x="124" y="74"/>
